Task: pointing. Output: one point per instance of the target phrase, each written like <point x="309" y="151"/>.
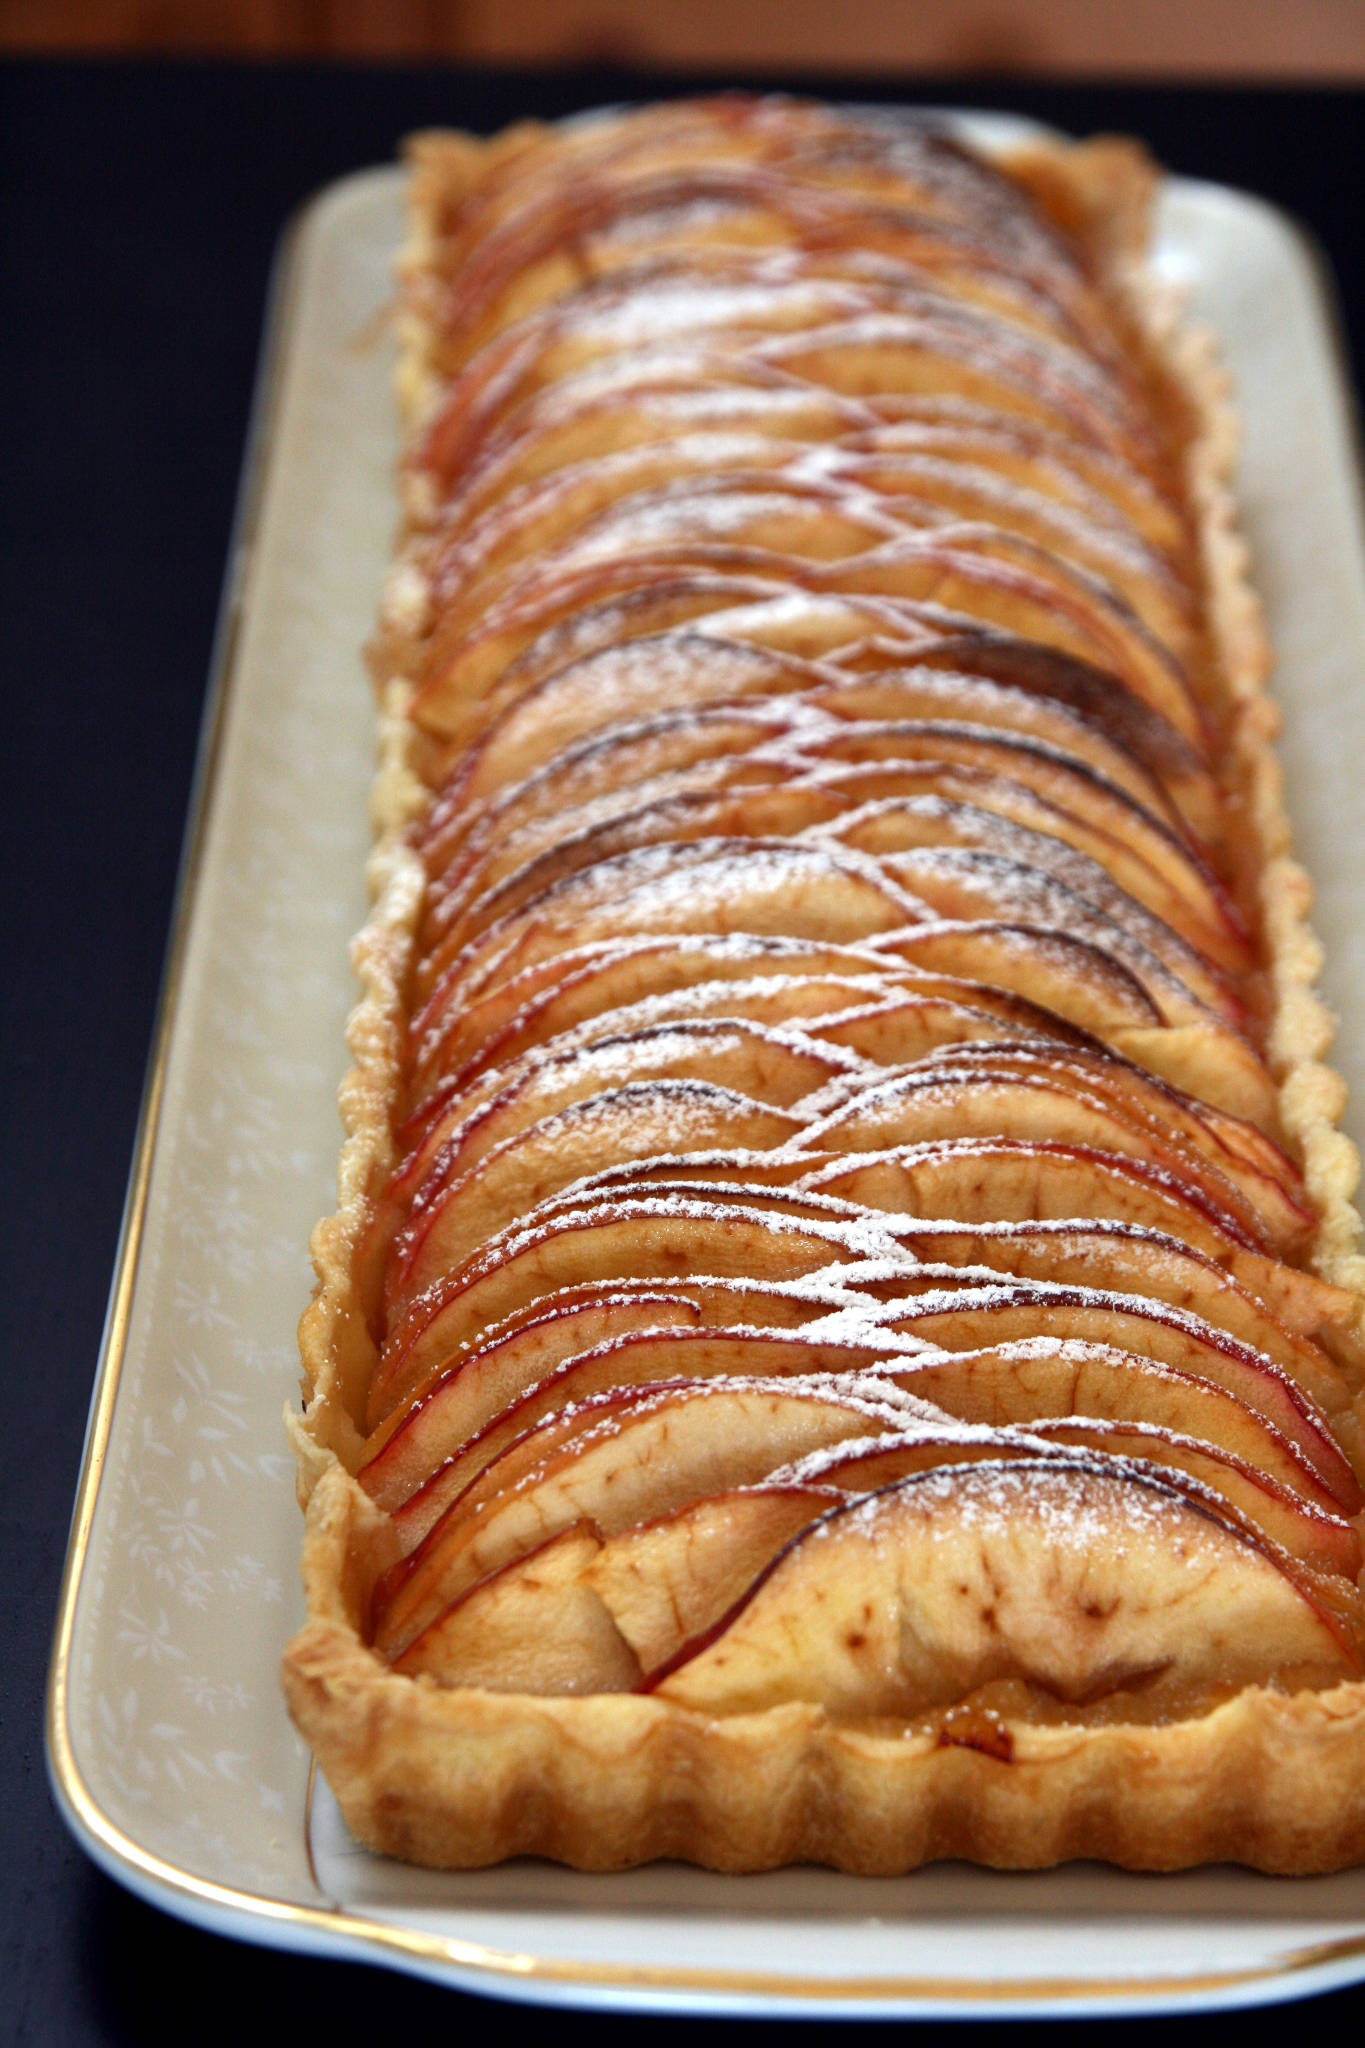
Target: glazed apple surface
<point x="837" y="1238"/>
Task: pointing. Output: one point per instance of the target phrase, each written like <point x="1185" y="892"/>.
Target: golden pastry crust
<point x="464" y="1777"/>
<point x="461" y="1779"/>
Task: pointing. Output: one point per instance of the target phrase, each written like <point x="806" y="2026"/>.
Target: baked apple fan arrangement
<point x="841" y="1337"/>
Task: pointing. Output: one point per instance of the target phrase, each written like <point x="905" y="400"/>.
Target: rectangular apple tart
<point x="840" y="1340"/>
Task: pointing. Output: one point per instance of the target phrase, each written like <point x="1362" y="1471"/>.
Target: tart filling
<point x="841" y="1338"/>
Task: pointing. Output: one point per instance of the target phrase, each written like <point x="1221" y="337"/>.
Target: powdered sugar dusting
<point x="796" y="631"/>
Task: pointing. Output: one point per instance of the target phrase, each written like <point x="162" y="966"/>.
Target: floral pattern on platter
<point x="185" y="1603"/>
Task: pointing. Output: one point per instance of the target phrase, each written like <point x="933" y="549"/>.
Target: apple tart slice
<point x="842" y="1335"/>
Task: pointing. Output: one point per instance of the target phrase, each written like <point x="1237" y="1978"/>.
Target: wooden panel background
<point x="1211" y="39"/>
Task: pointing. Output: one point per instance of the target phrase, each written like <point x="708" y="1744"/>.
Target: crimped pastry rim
<point x="460" y="1778"/>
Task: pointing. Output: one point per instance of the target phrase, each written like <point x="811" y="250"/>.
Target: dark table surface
<point x="139" y="207"/>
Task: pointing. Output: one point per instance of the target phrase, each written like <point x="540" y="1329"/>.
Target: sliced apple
<point x="1092" y="1278"/>
<point x="759" y="886"/>
<point x="606" y="765"/>
<point x="765" y="1000"/>
<point x="1213" y="1065"/>
<point x="967" y="883"/>
<point x="1050" y="462"/>
<point x="1111" y="1257"/>
<point x="1243" y="1147"/>
<point x="585" y="982"/>
<point x="1044" y="964"/>
<point x="651" y="1588"/>
<point x="1003" y="1180"/>
<point x="675" y="1576"/>
<point x="975" y="808"/>
<point x="959" y="588"/>
<point x="447" y="1462"/>
<point x="1316" y="1536"/>
<point x="1129" y="1259"/>
<point x="757" y="808"/>
<point x="535" y="1626"/>
<point x="527" y="1344"/>
<point x="563" y="430"/>
<point x="1074" y="980"/>
<point x="725" y="219"/>
<point x="535" y="1163"/>
<point x="747" y="1055"/>
<point x="705" y="1175"/>
<point x="656" y="778"/>
<point x="873" y="1018"/>
<point x="1060" y="775"/>
<point x="768" y="1182"/>
<point x="631" y="1455"/>
<point x="562" y="427"/>
<point x="977" y="575"/>
<point x="487" y="1379"/>
<point x="547" y="514"/>
<point x="764" y="516"/>
<point x="880" y="810"/>
<point x="593" y="609"/>
<point x="1101" y="700"/>
<point x="1312" y="1534"/>
<point x="638" y="678"/>
<point x="937" y="1102"/>
<point x="573" y="334"/>
<point x="922" y="486"/>
<point x="578" y="332"/>
<point x="1023" y="1380"/>
<point x="964" y="355"/>
<point x="1250" y="1157"/>
<point x="477" y="807"/>
<point x="965" y="1317"/>
<point x="997" y="1179"/>
<point x="669" y="158"/>
<point x="1207" y="1060"/>
<point x="1059" y="764"/>
<point x="1116" y="1590"/>
<point x="585" y="985"/>
<point x="644" y="1239"/>
<point x="621" y="769"/>
<point x="1021" y="588"/>
<point x="755" y="537"/>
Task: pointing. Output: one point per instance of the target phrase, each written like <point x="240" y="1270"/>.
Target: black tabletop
<point x="139" y="206"/>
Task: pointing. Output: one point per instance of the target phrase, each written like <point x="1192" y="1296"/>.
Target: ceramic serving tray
<point x="170" y="1750"/>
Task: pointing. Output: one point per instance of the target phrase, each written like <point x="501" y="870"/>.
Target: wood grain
<point x="1281" y="39"/>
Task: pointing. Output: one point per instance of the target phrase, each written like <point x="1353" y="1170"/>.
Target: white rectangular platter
<point x="170" y="1750"/>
